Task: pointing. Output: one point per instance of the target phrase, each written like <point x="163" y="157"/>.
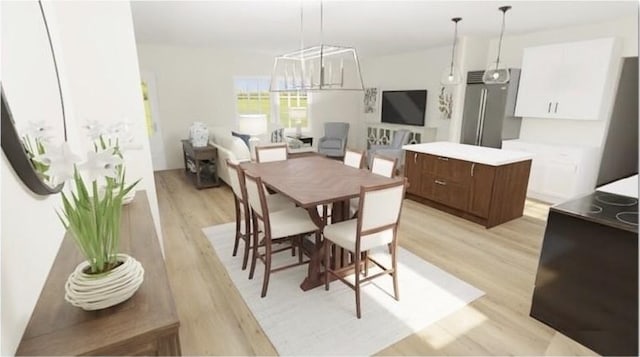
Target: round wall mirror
<point x="33" y="117"/>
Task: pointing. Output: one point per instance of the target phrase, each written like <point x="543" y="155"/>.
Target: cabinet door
<point x="541" y="67"/>
<point x="450" y="193"/>
<point x="560" y="178"/>
<point x="481" y="189"/>
<point x="452" y="170"/>
<point x="581" y="87"/>
<point x="412" y="171"/>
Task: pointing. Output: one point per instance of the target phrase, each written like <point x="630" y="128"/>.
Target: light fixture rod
<point x="455" y="39"/>
<point x="504" y="10"/>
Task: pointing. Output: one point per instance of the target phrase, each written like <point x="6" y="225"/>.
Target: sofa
<point x="234" y="148"/>
<point x="229" y="147"/>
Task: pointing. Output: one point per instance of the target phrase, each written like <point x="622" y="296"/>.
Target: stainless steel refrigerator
<point x="488" y="116"/>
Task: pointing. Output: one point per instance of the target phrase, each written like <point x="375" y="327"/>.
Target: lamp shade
<point x="297" y="113"/>
<point x="252" y="124"/>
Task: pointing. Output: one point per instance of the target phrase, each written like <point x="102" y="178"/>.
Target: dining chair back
<point x="287" y="225"/>
<point x="384" y="166"/>
<point x="375" y="226"/>
<point x="353" y="158"/>
<point x="243" y="220"/>
<point x="269" y="153"/>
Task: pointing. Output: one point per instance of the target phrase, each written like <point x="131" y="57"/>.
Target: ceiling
<point x="373" y="27"/>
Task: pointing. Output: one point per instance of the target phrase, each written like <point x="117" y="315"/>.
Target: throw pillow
<point x="277" y="135"/>
<point x="244" y="138"/>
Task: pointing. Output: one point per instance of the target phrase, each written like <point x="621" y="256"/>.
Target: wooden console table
<point x="204" y="160"/>
<point x="146" y="324"/>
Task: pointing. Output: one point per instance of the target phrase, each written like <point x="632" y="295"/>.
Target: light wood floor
<point x="501" y="261"/>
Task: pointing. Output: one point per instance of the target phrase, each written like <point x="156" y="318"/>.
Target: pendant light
<point x="451" y="75"/>
<point x="321" y="67"/>
<point x="494" y="73"/>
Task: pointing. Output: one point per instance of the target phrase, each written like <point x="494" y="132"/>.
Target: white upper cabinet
<point x="567" y="80"/>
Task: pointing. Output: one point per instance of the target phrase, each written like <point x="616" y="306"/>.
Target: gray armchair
<point x="394" y="149"/>
<point x="334" y="141"/>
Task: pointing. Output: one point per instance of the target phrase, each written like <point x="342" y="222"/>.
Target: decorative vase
<point x="198" y="134"/>
<point x="100" y="291"/>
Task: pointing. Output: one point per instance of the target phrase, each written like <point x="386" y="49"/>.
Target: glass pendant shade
<point x="495" y="74"/>
<point x="451" y="75"/>
<point x="322" y="67"/>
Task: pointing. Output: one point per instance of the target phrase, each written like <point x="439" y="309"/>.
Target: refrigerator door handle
<point x="483" y="109"/>
<point x="483" y="102"/>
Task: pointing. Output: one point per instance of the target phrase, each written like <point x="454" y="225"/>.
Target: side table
<point x="307" y="140"/>
<point x="200" y="164"/>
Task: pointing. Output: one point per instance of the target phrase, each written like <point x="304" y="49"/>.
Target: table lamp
<point x="252" y="125"/>
<point x="296" y="114"/>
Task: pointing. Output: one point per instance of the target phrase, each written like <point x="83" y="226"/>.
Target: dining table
<point x="316" y="181"/>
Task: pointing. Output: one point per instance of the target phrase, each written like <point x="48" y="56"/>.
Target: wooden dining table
<point x="314" y="181"/>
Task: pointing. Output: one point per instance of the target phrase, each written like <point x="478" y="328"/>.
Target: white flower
<point x="61" y="161"/>
<point x="39" y="131"/>
<point x="101" y="164"/>
<point x="94" y="129"/>
<point x="121" y="131"/>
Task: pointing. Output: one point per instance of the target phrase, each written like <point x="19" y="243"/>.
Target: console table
<point x="204" y="161"/>
<point x="146" y="324"/>
<point x="307" y="140"/>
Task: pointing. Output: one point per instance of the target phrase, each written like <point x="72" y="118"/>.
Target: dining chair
<point x="385" y="166"/>
<point x="376" y="226"/>
<point x="269" y="153"/>
<point x="353" y="158"/>
<point x="276" y="202"/>
<point x="380" y="165"/>
<point x="275" y="227"/>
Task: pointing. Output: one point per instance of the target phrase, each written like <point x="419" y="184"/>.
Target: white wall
<point x="556" y="131"/>
<point x="96" y="55"/>
<point x="414" y="70"/>
<point x="196" y="84"/>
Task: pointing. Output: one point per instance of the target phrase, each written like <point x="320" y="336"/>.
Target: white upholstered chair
<point x="353" y="158"/>
<point x="376" y="226"/>
<point x="380" y="165"/>
<point x="269" y="153"/>
<point x="275" y="227"/>
<point x="276" y="202"/>
<point x="384" y="166"/>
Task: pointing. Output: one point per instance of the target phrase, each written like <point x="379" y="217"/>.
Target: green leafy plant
<point x="445" y="103"/>
<point x="93" y="204"/>
<point x="34" y="148"/>
<point x="93" y="218"/>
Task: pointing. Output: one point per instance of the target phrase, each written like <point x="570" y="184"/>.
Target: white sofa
<point x="234" y="149"/>
<point x="229" y="147"/>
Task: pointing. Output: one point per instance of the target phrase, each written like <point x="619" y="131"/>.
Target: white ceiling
<point x="373" y="27"/>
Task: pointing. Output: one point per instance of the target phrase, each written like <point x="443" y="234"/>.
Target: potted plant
<point x="92" y="217"/>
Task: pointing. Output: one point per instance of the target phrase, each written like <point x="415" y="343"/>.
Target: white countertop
<point x="626" y="187"/>
<point x="479" y="154"/>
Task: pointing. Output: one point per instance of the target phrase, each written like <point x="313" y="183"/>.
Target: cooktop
<point x="605" y="208"/>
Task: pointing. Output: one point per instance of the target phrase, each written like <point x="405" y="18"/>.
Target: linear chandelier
<point x="321" y="67"/>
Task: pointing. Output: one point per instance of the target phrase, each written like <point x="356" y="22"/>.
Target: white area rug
<point x="319" y="322"/>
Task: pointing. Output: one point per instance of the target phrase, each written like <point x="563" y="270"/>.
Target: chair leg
<point x="366" y="263"/>
<point x="299" y="244"/>
<point x="247" y="243"/>
<point x="267" y="266"/>
<point x="394" y="266"/>
<point x="357" y="284"/>
<point x="327" y="250"/>
<point x="255" y="251"/>
<point x="238" y="234"/>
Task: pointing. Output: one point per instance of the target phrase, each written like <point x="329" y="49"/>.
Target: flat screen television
<point x="405" y="107"/>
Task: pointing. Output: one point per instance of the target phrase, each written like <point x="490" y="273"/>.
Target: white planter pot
<point x="100" y="291"/>
<point x="198" y="134"/>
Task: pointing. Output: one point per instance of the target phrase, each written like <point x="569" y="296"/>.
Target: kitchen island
<point x="484" y="185"/>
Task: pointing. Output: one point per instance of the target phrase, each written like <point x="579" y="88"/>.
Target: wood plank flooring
<point x="501" y="261"/>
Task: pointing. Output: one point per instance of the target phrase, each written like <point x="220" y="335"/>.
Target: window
<point x="284" y="108"/>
